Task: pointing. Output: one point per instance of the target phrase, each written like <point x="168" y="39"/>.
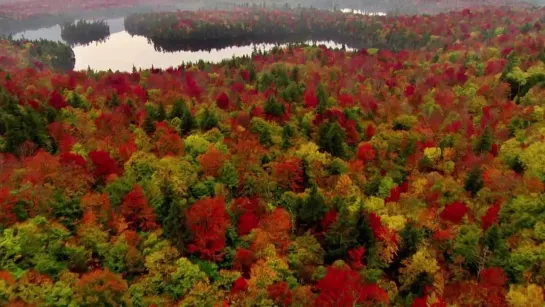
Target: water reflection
<point x="216" y="44"/>
<point x="52" y="33"/>
<point x="121" y="51"/>
<point x="363" y="12"/>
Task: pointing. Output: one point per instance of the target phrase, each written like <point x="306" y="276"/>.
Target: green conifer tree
<point x="178" y="109"/>
<point x="484" y="144"/>
<point x="161" y="113"/>
<point x="331" y="138"/>
<point x="474" y="182"/>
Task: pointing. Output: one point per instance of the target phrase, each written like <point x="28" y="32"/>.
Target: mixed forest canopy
<point x="409" y="172"/>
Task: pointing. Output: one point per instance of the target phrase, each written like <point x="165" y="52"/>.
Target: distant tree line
<point x="84" y="32"/>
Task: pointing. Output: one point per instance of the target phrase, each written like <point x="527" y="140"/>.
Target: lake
<point x="121" y="51"/>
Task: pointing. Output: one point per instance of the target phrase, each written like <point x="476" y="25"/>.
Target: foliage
<point x="406" y="175"/>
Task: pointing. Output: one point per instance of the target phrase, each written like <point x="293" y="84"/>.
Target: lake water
<point x="122" y="52"/>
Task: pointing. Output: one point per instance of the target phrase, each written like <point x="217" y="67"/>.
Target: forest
<point x="409" y="172"/>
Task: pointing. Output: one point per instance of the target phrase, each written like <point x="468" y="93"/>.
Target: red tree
<point x="239" y="285"/>
<point x="211" y="161"/>
<point x="344" y="287"/>
<point x="243" y="261"/>
<point x="311" y="100"/>
<point x="136" y="211"/>
<point x="56" y="100"/>
<point x="208" y="220"/>
<point x="492" y="283"/>
<point x="7" y="202"/>
<point x="170" y="144"/>
<point x="289" y="174"/>
<point x="370" y="131"/>
<point x="280" y="293"/>
<point x="104" y="164"/>
<point x="366" y="152"/>
<point x="491" y="216"/>
<point x="355" y="256"/>
<point x="329" y="219"/>
<point x="126" y="150"/>
<point x="223" y="101"/>
<point x="454" y="212"/>
<point x="247" y="222"/>
<point x="395" y="194"/>
<point x="69" y="158"/>
<point x="278" y="227"/>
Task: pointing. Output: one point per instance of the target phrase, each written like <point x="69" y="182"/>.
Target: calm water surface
<point x="122" y="52"/>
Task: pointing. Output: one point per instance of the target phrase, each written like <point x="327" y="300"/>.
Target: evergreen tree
<point x="474" y="182"/>
<point x="295" y="74"/>
<point x="174" y="226"/>
<point x="149" y="124"/>
<point x="484" y="144"/>
<point x="161" y="113"/>
<point x="322" y="98"/>
<point x="178" y="109"/>
<point x="312" y="210"/>
<point x="253" y="74"/>
<point x="76" y="101"/>
<point x="342" y="236"/>
<point x="50" y="114"/>
<point x="274" y="107"/>
<point x="331" y="138"/>
<point x="21" y="124"/>
<point x="208" y="120"/>
<point x="287" y="134"/>
<point x="114" y="101"/>
<point x="163" y="209"/>
<point x="229" y="176"/>
<point x="187" y="121"/>
<point x="265" y="138"/>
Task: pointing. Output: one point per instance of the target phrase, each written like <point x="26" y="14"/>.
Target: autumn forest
<point x="407" y="170"/>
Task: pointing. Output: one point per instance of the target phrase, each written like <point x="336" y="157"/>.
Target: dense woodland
<point x="303" y="176"/>
<point x="262" y="25"/>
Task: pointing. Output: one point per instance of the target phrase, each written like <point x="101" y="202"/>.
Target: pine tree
<point x="149" y="124"/>
<point x="161" y="113"/>
<point x="229" y="176"/>
<point x="484" y="144"/>
<point x="174" y="226"/>
<point x="474" y="182"/>
<point x="322" y="98"/>
<point x="287" y="134"/>
<point x="21" y="125"/>
<point x="209" y="120"/>
<point x="331" y="139"/>
<point x="253" y="74"/>
<point x="163" y="209"/>
<point x="75" y="101"/>
<point x="178" y="109"/>
<point x="342" y="236"/>
<point x="187" y="121"/>
<point x="114" y="101"/>
<point x="295" y="74"/>
<point x="312" y="210"/>
<point x="274" y="107"/>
